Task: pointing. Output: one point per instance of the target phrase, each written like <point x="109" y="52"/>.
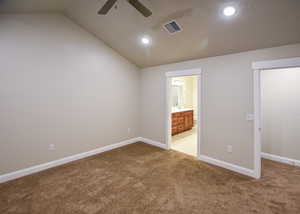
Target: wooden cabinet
<point x="182" y="121"/>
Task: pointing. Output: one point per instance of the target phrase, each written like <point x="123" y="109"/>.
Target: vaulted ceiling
<point x="206" y="32"/>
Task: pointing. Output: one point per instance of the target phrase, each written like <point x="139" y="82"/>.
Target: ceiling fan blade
<point x="106" y="7"/>
<point x="140" y="7"/>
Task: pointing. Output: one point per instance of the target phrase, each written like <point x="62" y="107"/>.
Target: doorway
<point x="184" y="112"/>
<point x="274" y="82"/>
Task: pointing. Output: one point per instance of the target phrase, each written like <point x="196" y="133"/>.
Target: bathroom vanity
<point x="182" y="120"/>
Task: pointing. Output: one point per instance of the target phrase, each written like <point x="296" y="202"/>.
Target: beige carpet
<point x="139" y="179"/>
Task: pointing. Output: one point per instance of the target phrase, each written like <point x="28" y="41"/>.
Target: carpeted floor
<point x="139" y="179"/>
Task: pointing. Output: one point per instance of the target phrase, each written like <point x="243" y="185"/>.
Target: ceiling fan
<point x="135" y="3"/>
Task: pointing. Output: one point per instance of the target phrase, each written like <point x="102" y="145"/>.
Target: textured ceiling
<point x="206" y="32"/>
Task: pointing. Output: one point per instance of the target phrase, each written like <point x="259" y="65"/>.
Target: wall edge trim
<point x="281" y="159"/>
<point x="41" y="167"/>
<point x="229" y="166"/>
<point x="153" y="143"/>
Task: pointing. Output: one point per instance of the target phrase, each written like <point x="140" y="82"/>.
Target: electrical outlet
<point x="51" y="147"/>
<point x="250" y="117"/>
<point x="128" y="130"/>
<point x="229" y="148"/>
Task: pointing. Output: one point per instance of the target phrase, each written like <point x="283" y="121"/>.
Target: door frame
<point x="258" y="67"/>
<point x="168" y="129"/>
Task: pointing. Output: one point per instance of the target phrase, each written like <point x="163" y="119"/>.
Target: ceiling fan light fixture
<point x="135" y="3"/>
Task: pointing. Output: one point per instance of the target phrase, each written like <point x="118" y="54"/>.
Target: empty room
<point x="149" y="106"/>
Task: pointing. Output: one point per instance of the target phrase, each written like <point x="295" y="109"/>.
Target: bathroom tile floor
<point x="185" y="142"/>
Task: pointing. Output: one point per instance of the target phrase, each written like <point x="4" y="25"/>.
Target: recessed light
<point x="229" y="11"/>
<point x="145" y="40"/>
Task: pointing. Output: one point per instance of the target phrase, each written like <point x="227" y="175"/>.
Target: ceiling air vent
<point x="172" y="27"/>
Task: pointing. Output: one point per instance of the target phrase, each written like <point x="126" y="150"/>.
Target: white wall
<point x="281" y="112"/>
<point x="228" y="97"/>
<point x="60" y="85"/>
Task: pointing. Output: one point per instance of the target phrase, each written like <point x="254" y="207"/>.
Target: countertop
<point x="181" y="110"/>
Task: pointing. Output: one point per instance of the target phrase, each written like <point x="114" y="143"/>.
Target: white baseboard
<point x="153" y="143"/>
<point x="41" y="167"/>
<point x="229" y="166"/>
<point x="232" y="167"/>
<point x="280" y="159"/>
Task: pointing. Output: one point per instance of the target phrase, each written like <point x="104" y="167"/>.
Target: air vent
<point x="172" y="27"/>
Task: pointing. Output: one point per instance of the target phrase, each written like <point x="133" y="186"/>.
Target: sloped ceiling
<point x="206" y="32"/>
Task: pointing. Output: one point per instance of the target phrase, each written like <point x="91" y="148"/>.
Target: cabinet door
<point x="181" y="128"/>
<point x="189" y="120"/>
<point x="174" y="130"/>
